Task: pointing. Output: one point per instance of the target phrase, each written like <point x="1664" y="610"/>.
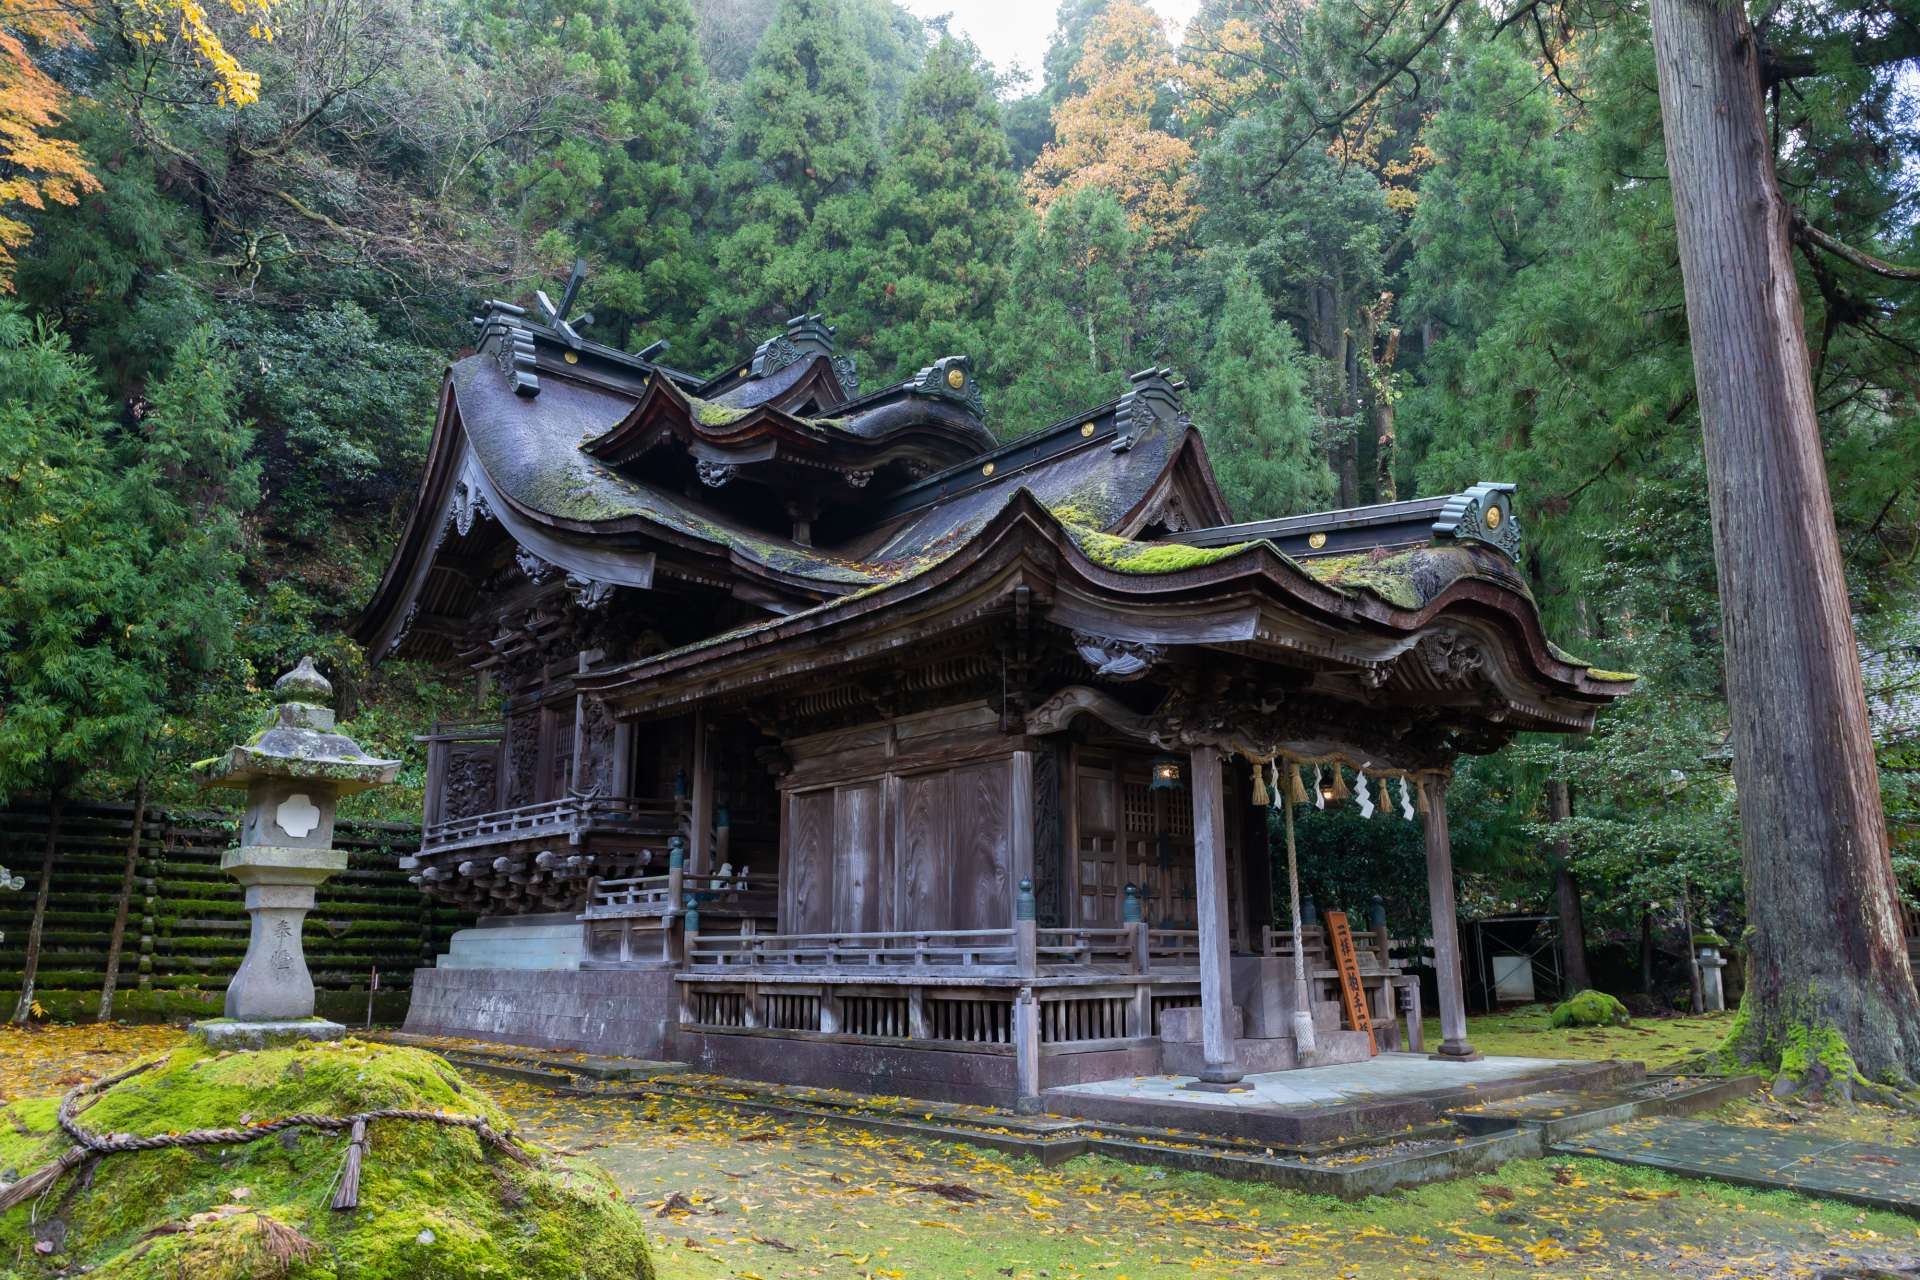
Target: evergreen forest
<point x="1395" y="248"/>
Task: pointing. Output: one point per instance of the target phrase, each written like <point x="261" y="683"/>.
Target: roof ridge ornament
<point x="1154" y="397"/>
<point x="951" y="378"/>
<point x="513" y="348"/>
<point x="806" y="334"/>
<point x="1483" y="513"/>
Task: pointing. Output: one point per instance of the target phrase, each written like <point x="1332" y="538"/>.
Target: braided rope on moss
<point x="88" y="1144"/>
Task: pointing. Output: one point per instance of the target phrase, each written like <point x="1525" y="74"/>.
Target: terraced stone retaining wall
<point x="188" y="929"/>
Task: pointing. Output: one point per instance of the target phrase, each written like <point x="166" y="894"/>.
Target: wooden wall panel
<point x="925" y="850"/>
<point x="982" y="849"/>
<point x="810" y="859"/>
<point x="859" y="874"/>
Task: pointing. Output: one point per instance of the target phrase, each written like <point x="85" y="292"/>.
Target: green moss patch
<point x="1389" y="577"/>
<point x="1123" y="555"/>
<point x="709" y="414"/>
<point x="1590" y="1009"/>
<point x="434" y="1200"/>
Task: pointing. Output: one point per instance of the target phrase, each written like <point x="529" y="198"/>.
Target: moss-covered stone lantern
<point x="294" y="772"/>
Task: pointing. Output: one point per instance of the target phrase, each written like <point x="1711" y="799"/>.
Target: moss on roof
<point x="1124" y="555"/>
<point x="1388" y="577"/>
<point x="1616" y="677"/>
<point x="709" y="414"/>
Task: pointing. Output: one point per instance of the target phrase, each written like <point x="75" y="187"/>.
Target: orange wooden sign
<point x="1347" y="965"/>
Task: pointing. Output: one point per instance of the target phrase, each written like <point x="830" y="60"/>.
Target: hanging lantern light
<point x="1330" y="788"/>
<point x="1167" y="774"/>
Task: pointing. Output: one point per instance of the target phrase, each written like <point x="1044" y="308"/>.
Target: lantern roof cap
<point x="300" y="742"/>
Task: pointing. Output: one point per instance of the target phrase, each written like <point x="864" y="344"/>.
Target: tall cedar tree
<point x="117" y="551"/>
<point x="186" y="480"/>
<point x="945" y="212"/>
<point x="1255" y="415"/>
<point x="624" y="195"/>
<point x="1829" y="959"/>
<point x="796" y="178"/>
<point x="1066" y="328"/>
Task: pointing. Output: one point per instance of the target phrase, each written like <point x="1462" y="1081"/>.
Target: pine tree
<point x="945" y="212"/>
<point x="796" y="177"/>
<point x="1067" y="326"/>
<point x="1254" y="412"/>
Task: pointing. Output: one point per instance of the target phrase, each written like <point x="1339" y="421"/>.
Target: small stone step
<point x="509" y="1070"/>
<point x="1560" y="1114"/>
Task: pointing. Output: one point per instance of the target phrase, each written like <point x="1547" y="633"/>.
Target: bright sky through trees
<point x="1016" y="31"/>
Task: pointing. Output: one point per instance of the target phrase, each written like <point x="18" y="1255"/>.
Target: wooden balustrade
<point x="934" y="948"/>
<point x="611" y="813"/>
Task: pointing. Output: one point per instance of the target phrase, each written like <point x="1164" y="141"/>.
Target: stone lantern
<point x="1713" y="991"/>
<point x="294" y="773"/>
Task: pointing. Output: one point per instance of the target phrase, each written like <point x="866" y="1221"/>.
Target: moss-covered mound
<point x="1590" y="1009"/>
<point x="436" y="1202"/>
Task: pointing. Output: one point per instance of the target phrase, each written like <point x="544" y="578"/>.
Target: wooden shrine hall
<point x="821" y="739"/>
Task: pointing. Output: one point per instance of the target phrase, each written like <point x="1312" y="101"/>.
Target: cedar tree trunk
<point x="1827" y="952"/>
<point x="122" y="906"/>
<point x="1566" y="893"/>
<point x="30" y="967"/>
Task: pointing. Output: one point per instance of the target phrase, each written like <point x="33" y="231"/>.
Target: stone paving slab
<point x="1388" y="1075"/>
<point x="1864" y="1173"/>
<point x="1320" y="1104"/>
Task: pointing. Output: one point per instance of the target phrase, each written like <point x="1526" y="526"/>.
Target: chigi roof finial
<point x="557" y="315"/>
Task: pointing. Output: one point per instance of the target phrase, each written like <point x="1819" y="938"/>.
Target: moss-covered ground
<point x="729" y="1195"/>
<point x="1526" y="1032"/>
<point x="435" y="1201"/>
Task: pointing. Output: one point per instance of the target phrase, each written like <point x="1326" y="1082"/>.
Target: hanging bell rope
<point x="1303" y="1037"/>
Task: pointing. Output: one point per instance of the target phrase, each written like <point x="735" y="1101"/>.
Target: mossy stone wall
<point x="188" y="928"/>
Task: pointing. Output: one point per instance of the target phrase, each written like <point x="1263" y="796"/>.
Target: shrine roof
<point x="531" y="452"/>
<point x="1188" y="594"/>
<point x="609" y="465"/>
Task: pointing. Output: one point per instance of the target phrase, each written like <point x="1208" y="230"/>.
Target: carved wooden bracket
<point x="1058" y="713"/>
<point x="1119" y="660"/>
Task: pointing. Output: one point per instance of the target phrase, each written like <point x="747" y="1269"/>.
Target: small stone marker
<point x="294" y="773"/>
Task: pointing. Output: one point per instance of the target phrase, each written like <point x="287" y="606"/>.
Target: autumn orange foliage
<point x="38" y="168"/>
<point x="1105" y="134"/>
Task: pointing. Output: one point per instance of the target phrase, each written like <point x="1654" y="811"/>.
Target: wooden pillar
<point x="1026" y="1052"/>
<point x="1020" y="816"/>
<point x="1446" y="925"/>
<point x="1219" y="1062"/>
<point x="700" y="800"/>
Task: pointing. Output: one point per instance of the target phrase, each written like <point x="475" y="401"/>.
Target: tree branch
<point x="1810" y="234"/>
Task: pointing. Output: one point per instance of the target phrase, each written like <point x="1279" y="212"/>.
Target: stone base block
<point x="629" y="1013"/>
<point x="231" y="1033"/>
<point x="1183" y="1026"/>
<point x="543" y="944"/>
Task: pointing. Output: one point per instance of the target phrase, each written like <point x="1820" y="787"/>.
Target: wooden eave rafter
<point x="1228" y="601"/>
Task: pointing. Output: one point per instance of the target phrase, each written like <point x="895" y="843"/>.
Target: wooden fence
<point x="188" y="929"/>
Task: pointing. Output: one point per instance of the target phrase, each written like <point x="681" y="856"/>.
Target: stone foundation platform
<point x="630" y="1013"/>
